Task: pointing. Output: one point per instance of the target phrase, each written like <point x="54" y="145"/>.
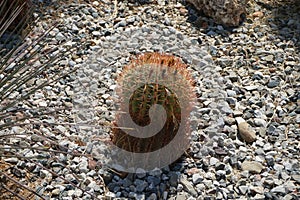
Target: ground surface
<point x="254" y="70"/>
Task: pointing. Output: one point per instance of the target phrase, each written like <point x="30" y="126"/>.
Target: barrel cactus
<point x="155" y="99"/>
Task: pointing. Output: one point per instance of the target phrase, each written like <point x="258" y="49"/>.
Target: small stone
<point x="75" y="29"/>
<point x="272" y="69"/>
<point x="229" y="120"/>
<point x="289" y="166"/>
<point x="284" y="175"/>
<point x="278" y="167"/>
<point x="271" y="129"/>
<point x="269" y="195"/>
<point x="228" y="169"/>
<point x="95" y="3"/>
<point x="252" y="166"/>
<point x="259" y="143"/>
<point x="273" y="83"/>
<point x="105" y="96"/>
<point x="181" y="196"/>
<point x="12" y="160"/>
<point x="270" y="160"/>
<point x="61" y="128"/>
<point x="231" y="101"/>
<point x="245" y="174"/>
<point x="260" y="122"/>
<point x="268" y="58"/>
<point x="60" y="37"/>
<point x="140" y="185"/>
<point x="257" y="189"/>
<point x="78" y="192"/>
<point x="120" y="24"/>
<point x="173" y="179"/>
<point x="43" y="104"/>
<point x="211" y="33"/>
<point x="107" y="176"/>
<point x="290" y="63"/>
<point x="220" y="28"/>
<point x="95" y="14"/>
<point x="207" y="183"/>
<point x="96" y="33"/>
<point x="233" y="76"/>
<point x="188" y="186"/>
<point x="233" y="160"/>
<point x="288" y="197"/>
<point x="220" y="151"/>
<point x="259" y="197"/>
<point x="251" y="87"/>
<point x="231" y="93"/>
<point x="243" y="189"/>
<point x="197" y="178"/>
<point x="18" y="130"/>
<point x="210" y="175"/>
<point x="156" y="172"/>
<point x="268" y="147"/>
<point x="165" y="195"/>
<point x="220" y="174"/>
<point x="220" y="166"/>
<point x="257" y="75"/>
<point x="278" y="189"/>
<point x="83" y="166"/>
<point x="179" y="187"/>
<point x="161" y="2"/>
<point x="258" y="14"/>
<point x="237" y="113"/>
<point x="153" y="180"/>
<point x="140" y="173"/>
<point x="153" y="196"/>
<point x="192" y="171"/>
<point x="245" y="130"/>
<point x="259" y="151"/>
<point x="55" y="192"/>
<point x="130" y="20"/>
<point x="213" y="161"/>
<point x="296" y="177"/>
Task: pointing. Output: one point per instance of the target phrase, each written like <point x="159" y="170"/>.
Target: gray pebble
<point x="173" y="178"/>
<point x="273" y="83"/>
<point x="268" y="58"/>
<point x="60" y="37"/>
<point x="252" y="166"/>
<point x="260" y="122"/>
<point x="213" y="161"/>
<point x="188" y="186"/>
<point x="296" y="177"/>
<point x="197" y="178"/>
<point x="243" y="189"/>
<point x="279" y="189"/>
<point x="267" y="147"/>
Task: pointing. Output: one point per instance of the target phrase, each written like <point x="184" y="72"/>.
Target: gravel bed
<point x="246" y="141"/>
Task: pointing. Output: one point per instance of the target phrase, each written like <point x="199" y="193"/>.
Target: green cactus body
<point x="152" y="79"/>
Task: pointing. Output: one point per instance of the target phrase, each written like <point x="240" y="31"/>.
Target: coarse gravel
<point x="246" y="141"/>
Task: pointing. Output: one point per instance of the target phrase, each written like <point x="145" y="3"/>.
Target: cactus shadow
<point x="144" y="186"/>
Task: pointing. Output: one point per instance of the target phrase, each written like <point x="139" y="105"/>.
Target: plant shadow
<point x="285" y="21"/>
<point x="161" y="183"/>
